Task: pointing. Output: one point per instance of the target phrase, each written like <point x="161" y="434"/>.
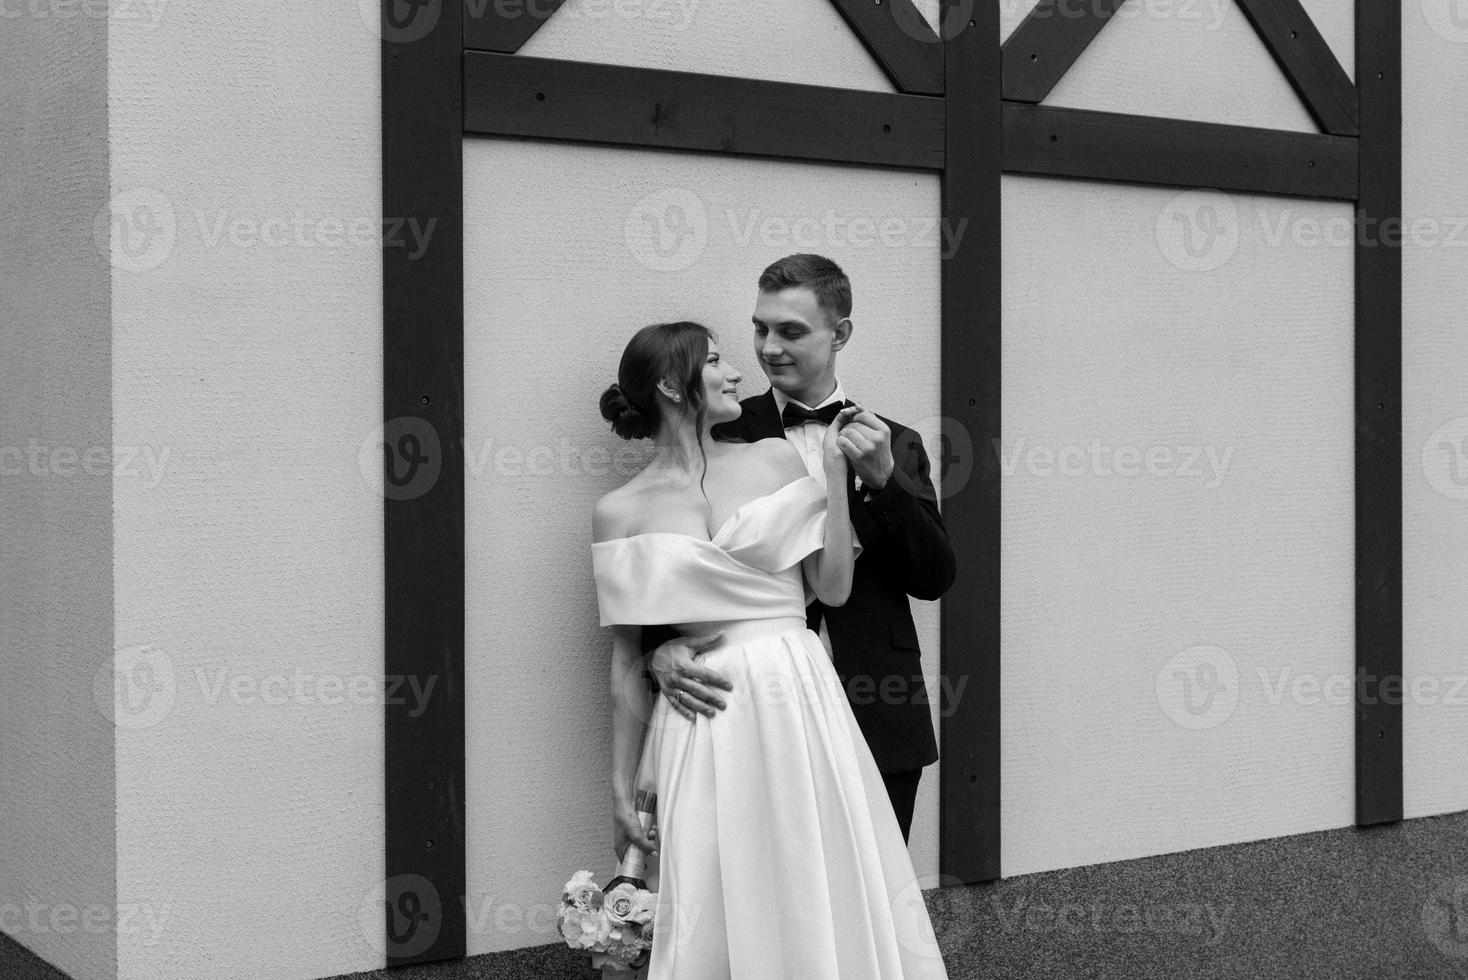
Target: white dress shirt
<point x="807" y="437"/>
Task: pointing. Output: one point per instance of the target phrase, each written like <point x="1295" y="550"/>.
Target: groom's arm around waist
<point x="908" y="524"/>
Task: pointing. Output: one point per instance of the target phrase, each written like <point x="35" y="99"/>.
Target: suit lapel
<point x="764" y="420"/>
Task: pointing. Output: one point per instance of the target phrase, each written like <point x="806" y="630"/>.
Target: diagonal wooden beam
<point x="901" y="40"/>
<point x="1308" y="62"/>
<point x="1042" y="49"/>
<point x="504" y="25"/>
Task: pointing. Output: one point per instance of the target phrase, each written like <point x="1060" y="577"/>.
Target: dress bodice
<point x="749" y="569"/>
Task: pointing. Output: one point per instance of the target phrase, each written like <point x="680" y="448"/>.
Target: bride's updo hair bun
<point x="675" y="351"/>
<point x="627" y="421"/>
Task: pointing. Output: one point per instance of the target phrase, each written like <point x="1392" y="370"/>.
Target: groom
<point x="802" y="319"/>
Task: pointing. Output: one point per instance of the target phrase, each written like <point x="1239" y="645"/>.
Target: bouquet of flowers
<point x="613" y="924"/>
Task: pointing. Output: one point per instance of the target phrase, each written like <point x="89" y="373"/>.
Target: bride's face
<point x="720" y="387"/>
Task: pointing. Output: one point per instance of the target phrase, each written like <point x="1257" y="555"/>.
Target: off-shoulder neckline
<point x="722" y="527"/>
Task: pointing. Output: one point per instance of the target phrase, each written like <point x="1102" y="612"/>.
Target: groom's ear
<point x="841" y="332"/>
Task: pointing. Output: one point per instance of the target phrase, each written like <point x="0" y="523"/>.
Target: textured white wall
<point x="249" y="347"/>
<point x="560" y="271"/>
<point x="1154" y="595"/>
<point x="56" y="771"/>
<point x="1435" y="407"/>
<point x="246" y="347"/>
<point x="1189" y="59"/>
<point x="770" y="39"/>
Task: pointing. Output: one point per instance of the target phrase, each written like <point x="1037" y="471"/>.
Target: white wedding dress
<point x="779" y="855"/>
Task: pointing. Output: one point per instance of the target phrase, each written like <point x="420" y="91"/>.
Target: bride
<point x="778" y="853"/>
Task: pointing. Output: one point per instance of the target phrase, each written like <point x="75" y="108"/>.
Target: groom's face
<point x="796" y="343"/>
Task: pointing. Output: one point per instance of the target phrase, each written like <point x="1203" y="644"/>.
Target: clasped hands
<point x="690" y="687"/>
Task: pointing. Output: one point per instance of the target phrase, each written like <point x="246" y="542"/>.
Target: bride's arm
<point x="830" y="570"/>
<point x="631" y="705"/>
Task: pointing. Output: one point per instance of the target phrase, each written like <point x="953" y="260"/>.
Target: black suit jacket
<point x="905" y="552"/>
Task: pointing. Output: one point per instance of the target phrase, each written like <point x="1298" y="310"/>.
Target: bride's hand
<point x="831" y="452"/>
<point x="626" y="827"/>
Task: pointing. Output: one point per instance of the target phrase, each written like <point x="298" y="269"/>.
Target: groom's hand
<point x="687" y="684"/>
<point x="868" y="444"/>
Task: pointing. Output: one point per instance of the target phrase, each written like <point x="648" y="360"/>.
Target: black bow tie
<point x="793" y="414"/>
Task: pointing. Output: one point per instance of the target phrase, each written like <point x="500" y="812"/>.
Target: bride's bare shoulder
<point x="611" y="515"/>
<point x="780" y="457"/>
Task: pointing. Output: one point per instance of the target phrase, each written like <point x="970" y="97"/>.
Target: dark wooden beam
<point x="502" y="25"/>
<point x="902" y="42"/>
<point x="1379" y="416"/>
<point x="969" y="792"/>
<point x="423" y="425"/>
<point x="1043" y="48"/>
<point x="1105" y="146"/>
<point x="512" y="95"/>
<point x="1308" y="62"/>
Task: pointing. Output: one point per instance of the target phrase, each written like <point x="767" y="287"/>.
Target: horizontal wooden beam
<point x="1141" y="149"/>
<point x="504" y="25"/>
<point x="901" y="40"/>
<point x="1308" y="62"/>
<point x="510" y="95"/>
<point x="1044" y="46"/>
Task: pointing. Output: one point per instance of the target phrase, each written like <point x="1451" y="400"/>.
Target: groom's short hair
<point x="818" y="274"/>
